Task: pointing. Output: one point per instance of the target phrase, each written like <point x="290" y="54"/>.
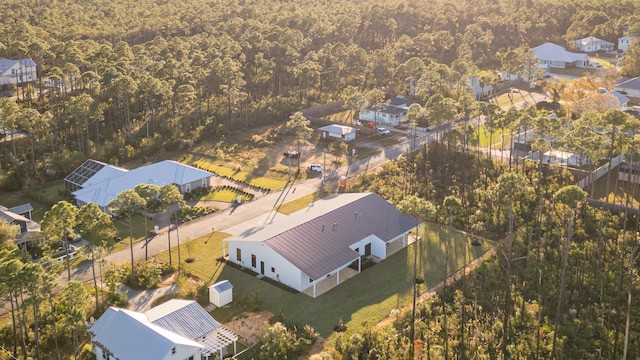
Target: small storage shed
<point x="221" y="293"/>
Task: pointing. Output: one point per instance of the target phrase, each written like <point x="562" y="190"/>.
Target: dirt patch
<point x="316" y="348"/>
<point x="249" y="326"/>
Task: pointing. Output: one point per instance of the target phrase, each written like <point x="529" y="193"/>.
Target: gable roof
<point x="22" y="209"/>
<point x="592" y="40"/>
<point x="109" y="181"/>
<point x="395" y="105"/>
<point x="337" y="129"/>
<point x="129" y="335"/>
<point x="184" y="317"/>
<point x="6" y="64"/>
<point x="222" y="286"/>
<point x="11" y="216"/>
<point x="629" y="83"/>
<point x="317" y="239"/>
<point x="556" y="53"/>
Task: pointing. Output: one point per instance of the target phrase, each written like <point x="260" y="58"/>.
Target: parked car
<point x="314" y="167"/>
<point x="291" y="154"/>
<point x="383" y="131"/>
<point x="402" y="126"/>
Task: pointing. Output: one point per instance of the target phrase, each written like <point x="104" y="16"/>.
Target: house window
<point x="253" y="261"/>
<point x="273" y="269"/>
<point x="239" y="254"/>
<point x="204" y="183"/>
<point x="173" y="351"/>
<point x="187" y="187"/>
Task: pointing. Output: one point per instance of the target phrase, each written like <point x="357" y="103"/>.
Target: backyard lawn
<point x="361" y="301"/>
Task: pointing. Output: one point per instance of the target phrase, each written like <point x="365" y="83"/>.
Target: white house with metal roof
<point x="17" y="71"/>
<point x="312" y="244"/>
<point x="552" y="55"/>
<point x="390" y="113"/>
<point x="177" y="329"/>
<point x="97" y="182"/>
<point x="593" y="44"/>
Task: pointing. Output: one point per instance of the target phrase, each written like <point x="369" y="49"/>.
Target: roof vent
<point x="322" y="227"/>
<point x="335" y="225"/>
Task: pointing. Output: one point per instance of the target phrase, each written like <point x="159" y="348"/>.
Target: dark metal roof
<point x="321" y="245"/>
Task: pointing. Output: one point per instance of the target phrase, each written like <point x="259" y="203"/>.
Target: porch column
<point x="314" y="289"/>
<point x="360" y="264"/>
<point x="338" y="277"/>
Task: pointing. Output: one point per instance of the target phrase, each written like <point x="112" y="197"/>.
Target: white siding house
<point x="17" y="71"/>
<point x="624" y="42"/>
<point x="174" y="330"/>
<point x="391" y="113"/>
<point x="97" y="182"/>
<point x="317" y="242"/>
<point x="552" y="55"/>
<point x="593" y="44"/>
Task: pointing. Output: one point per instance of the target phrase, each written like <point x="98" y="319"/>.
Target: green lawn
<point x="300" y="203"/>
<point x="361" y="301"/>
<point x="573" y="71"/>
<point x="244" y="176"/>
<point x="122" y="226"/>
<point x="345" y="117"/>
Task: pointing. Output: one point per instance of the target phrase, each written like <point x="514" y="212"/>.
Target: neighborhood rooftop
<point x="97" y="182"/>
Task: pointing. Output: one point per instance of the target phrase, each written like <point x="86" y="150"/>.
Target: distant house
<point x="624" y="42"/>
<point x="20" y="216"/>
<point x="17" y="71"/>
<point x="628" y="86"/>
<point x="552" y="55"/>
<point x="480" y="91"/>
<point x="593" y="44"/>
<point x="177" y="329"/>
<point x="97" y="182"/>
<point x="622" y="100"/>
<point x="346" y="133"/>
<point x="391" y="113"/>
<point x="563" y="158"/>
<point x="318" y="242"/>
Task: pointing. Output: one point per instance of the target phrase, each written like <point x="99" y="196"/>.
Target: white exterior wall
<point x="21" y="74"/>
<point x="350" y="136"/>
<point x="183" y="352"/>
<point x="285" y="272"/>
<point x="366" y="115"/>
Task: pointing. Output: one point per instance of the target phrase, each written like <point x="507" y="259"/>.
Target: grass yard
<point x="224" y="195"/>
<point x="122" y="226"/>
<point x="237" y="173"/>
<point x="361" y="301"/>
<point x="617" y="190"/>
<point x="301" y="203"/>
<point x="345" y="117"/>
<point x="573" y="71"/>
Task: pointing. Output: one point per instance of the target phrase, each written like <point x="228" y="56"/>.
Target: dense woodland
<point x="126" y="79"/>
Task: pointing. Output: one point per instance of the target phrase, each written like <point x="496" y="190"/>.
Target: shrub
<point x="147" y="276"/>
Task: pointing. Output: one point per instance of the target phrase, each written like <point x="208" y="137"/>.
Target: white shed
<point x="221" y="293"/>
